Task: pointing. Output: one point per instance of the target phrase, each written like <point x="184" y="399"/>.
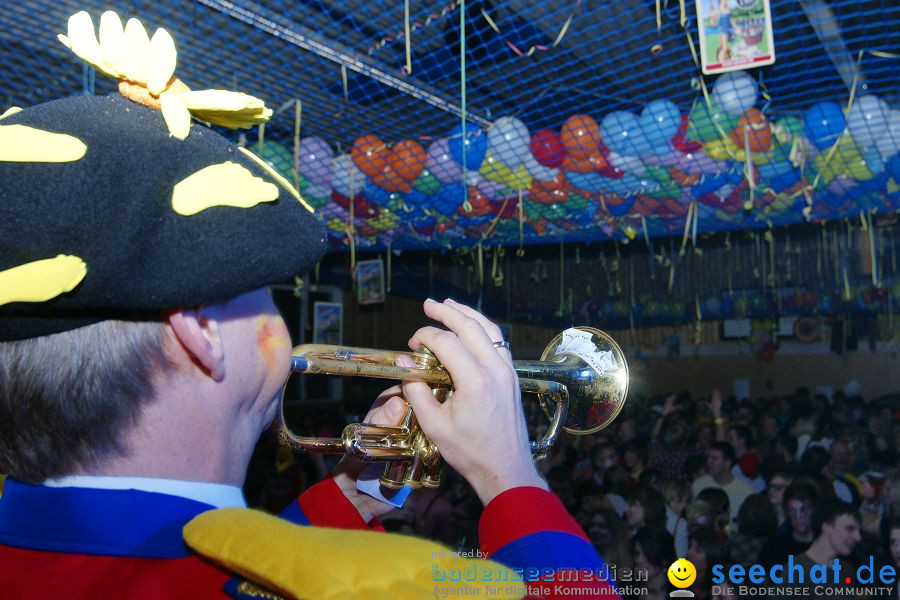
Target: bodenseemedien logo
<point x="682" y="574"/>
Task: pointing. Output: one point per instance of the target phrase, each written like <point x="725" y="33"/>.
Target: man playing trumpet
<point x="141" y="355"/>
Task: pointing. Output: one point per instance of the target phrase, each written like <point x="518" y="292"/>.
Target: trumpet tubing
<point x="581" y="381"/>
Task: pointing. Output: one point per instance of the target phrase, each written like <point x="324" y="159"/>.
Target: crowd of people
<point x="716" y="480"/>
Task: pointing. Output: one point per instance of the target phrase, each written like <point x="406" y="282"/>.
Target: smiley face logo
<point x="682" y="573"/>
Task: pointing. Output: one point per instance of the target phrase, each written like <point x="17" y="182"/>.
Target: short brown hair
<point x="67" y="399"/>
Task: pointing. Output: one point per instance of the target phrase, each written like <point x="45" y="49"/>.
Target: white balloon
<point x="346" y="178"/>
<point x="735" y="92"/>
<point x="317" y="191"/>
<point x="474" y="177"/>
<point x="889" y="143"/>
<point x="509" y="141"/>
<point x="629" y="164"/>
<point x="867" y="120"/>
<point x="539" y="171"/>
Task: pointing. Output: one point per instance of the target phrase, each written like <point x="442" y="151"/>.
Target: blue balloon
<point x="589" y="182"/>
<point x="709" y="184"/>
<point x="780" y="175"/>
<point x="659" y="123"/>
<point x="450" y="197"/>
<point x="627" y="184"/>
<point x="618" y="210"/>
<point x="475" y="147"/>
<point x="375" y="194"/>
<point x="875" y="184"/>
<point x="873" y="159"/>
<point x="893" y="168"/>
<point x="621" y="132"/>
<point x="824" y="122"/>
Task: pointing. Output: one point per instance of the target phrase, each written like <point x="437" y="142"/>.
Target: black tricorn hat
<point x="135" y="220"/>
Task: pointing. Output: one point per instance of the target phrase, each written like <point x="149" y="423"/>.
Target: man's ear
<point x="198" y="334"/>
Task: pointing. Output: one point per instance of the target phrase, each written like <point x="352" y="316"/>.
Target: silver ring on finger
<point x="502" y="344"/>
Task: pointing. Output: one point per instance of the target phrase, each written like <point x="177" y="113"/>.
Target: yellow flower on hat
<point x="145" y="67"/>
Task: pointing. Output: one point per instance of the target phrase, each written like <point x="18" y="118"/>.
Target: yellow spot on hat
<point x="21" y="143"/>
<point x="277" y="177"/>
<point x="224" y="184"/>
<point x="41" y="280"/>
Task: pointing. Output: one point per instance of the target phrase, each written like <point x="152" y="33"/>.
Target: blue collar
<point x="95" y="521"/>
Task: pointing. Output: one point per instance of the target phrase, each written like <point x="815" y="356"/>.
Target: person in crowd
<point x="142" y="355"/>
<point x="646" y="508"/>
<point x="653" y="554"/>
<point x="721" y="506"/>
<point x="634" y="458"/>
<point x="705" y="551"/>
<point x="671" y="444"/>
<point x="748" y="459"/>
<point x="777" y="484"/>
<point x="677" y="494"/>
<point x="800" y="500"/>
<point x="700" y="515"/>
<point x="756" y="523"/>
<point x="836" y="526"/>
<point x="719" y="461"/>
<point x="609" y="534"/>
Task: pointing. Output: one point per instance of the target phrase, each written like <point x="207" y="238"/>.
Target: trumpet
<point x="581" y="382"/>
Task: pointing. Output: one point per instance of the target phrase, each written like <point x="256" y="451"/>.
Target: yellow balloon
<point x="847" y="160"/>
<point x="520" y="180"/>
<point x="493" y="169"/>
<point x="721" y="149"/>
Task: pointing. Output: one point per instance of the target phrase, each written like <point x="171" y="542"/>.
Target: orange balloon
<point x="584" y="164"/>
<point x="391" y="181"/>
<point x="754" y="126"/>
<point x="370" y="155"/>
<point x="481" y="204"/>
<point x="682" y="178"/>
<point x="550" y="192"/>
<point x="408" y="158"/>
<point x="580" y="135"/>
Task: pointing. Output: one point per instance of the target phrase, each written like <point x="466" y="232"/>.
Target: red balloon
<point x="679" y="141"/>
<point x="362" y="208"/>
<point x="547" y="148"/>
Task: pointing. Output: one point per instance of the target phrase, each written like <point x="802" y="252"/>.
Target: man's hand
<point x="480" y="430"/>
<point x="388" y="409"/>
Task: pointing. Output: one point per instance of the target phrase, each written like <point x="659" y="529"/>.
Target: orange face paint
<point x="270" y="340"/>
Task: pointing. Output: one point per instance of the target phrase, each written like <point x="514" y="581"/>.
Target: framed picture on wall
<point x="370" y="281"/>
<point x="328" y="323"/>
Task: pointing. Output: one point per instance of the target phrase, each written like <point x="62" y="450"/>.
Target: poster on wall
<point x="370" y="281"/>
<point x="734" y="34"/>
<point x="328" y="323"/>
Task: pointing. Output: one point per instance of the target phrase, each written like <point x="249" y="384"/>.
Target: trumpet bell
<point x="592" y="366"/>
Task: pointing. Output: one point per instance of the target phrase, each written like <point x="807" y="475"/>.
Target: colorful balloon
<point x="707" y="123"/>
<point x="622" y="133"/>
<point x="346" y="178"/>
<point x="315" y="161"/>
<point x="735" y="92"/>
<point x="441" y="164"/>
<point x="867" y="120"/>
<point x="547" y="148"/>
<point x="888" y="144"/>
<point x="276" y="156"/>
<point x="753" y="129"/>
<point x="580" y="136"/>
<point x="509" y="140"/>
<point x="407" y="159"/>
<point x="475" y="146"/>
<point x="824" y="122"/>
<point x="659" y="123"/>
